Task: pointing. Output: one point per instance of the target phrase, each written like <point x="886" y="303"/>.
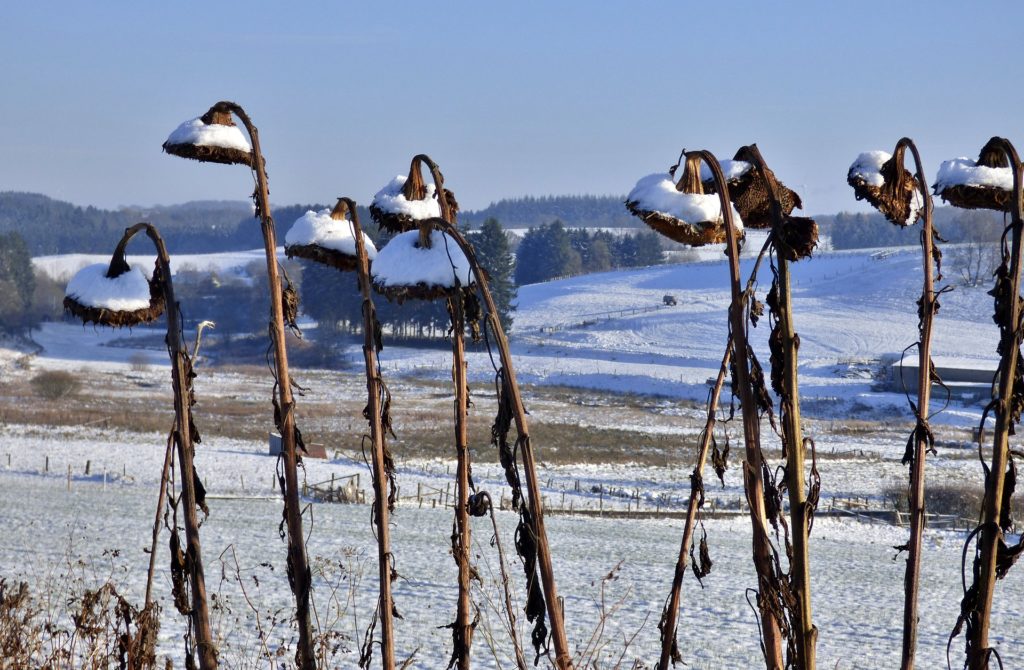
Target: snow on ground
<point x="606" y="331"/>
<point x="610" y="331"/>
<point x="73" y="346"/>
<point x="856" y="580"/>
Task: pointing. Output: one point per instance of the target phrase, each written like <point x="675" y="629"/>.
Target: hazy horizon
<point x="853" y="208"/>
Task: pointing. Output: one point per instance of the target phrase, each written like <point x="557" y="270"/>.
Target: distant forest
<point x="859" y="231"/>
<point x="557" y="243"/>
<point x="51" y="226"/>
<point x="574" y="211"/>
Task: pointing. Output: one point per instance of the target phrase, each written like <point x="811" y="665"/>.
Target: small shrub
<point x="960" y="500"/>
<point x="55" y="384"/>
<point x="139" y="362"/>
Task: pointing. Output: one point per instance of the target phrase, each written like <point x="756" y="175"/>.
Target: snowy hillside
<point x="611" y="331"/>
<point x="855" y="311"/>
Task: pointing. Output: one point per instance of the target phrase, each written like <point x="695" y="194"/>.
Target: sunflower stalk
<point x="462" y="630"/>
<point x="799" y="509"/>
<point x="181" y="441"/>
<point x="928" y="308"/>
<point x="300" y="576"/>
<point x="976" y="608"/>
<point x="670" y="614"/>
<point x="381" y="460"/>
<point x="532" y="511"/>
<point x="753" y="466"/>
<point x="784" y="378"/>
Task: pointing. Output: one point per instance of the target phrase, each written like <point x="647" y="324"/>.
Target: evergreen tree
<point x="546" y="253"/>
<point x="860" y="230"/>
<point x="495" y="255"/>
<point x="565" y="261"/>
<point x="648" y="249"/>
<point x="531" y="247"/>
<point x="17" y="283"/>
<point x="600" y="258"/>
<point x="625" y="251"/>
<point x="331" y="298"/>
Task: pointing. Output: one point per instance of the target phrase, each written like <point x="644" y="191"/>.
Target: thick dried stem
<point x="298" y="563"/>
<point x="563" y="659"/>
<point x="463" y="629"/>
<point x="753" y="465"/>
<point x="924" y="383"/>
<point x="1010" y="338"/>
<point x="183" y="439"/>
<point x="385" y="607"/>
<point x="792" y="431"/>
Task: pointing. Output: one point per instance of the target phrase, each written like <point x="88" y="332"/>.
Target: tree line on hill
<point x="574" y="211"/>
<point x="332" y="298"/>
<point x="867" y="230"/>
<point x="51" y="226"/>
<point x="975" y="232"/>
<point x="31" y="224"/>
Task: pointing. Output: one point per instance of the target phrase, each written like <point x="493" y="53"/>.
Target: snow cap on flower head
<point x="983" y="184"/>
<point x="681" y="211"/>
<point x="327" y="237"/>
<point x="212" y="138"/>
<point x="125" y="299"/>
<point x="406" y="269"/>
<point x="405" y="201"/>
<point x="880" y="178"/>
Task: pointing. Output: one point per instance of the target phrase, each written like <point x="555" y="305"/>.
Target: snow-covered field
<point x="604" y="332"/>
<point x="851" y="308"/>
<point x="611" y="331"/>
<point x="857" y="584"/>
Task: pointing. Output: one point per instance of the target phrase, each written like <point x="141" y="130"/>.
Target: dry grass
<point x="234" y="401"/>
<point x="963" y="501"/>
<point x="75" y="620"/>
<point x="567" y="425"/>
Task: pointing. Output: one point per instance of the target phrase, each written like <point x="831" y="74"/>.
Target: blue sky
<point x="517" y="98"/>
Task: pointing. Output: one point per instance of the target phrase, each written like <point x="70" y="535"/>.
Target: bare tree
<point x="975" y="261"/>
